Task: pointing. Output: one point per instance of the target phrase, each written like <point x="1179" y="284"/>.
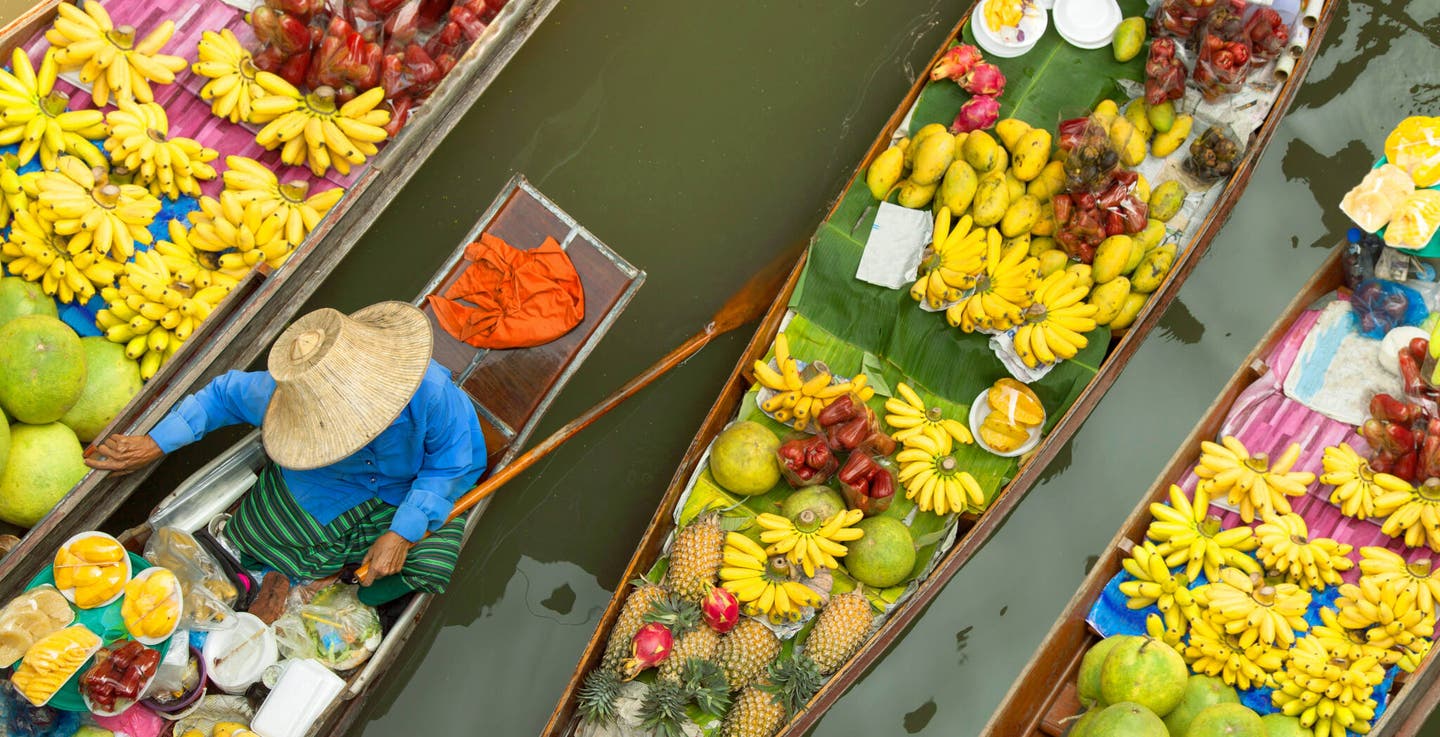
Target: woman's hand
<point x="386" y="557"/>
<point x="123" y="453"/>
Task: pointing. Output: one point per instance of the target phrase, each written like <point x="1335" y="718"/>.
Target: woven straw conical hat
<point x="341" y="380"/>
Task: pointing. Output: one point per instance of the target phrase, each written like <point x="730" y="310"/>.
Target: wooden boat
<point x="1043" y="699"/>
<point x="260" y="307"/>
<point x="511" y="391"/>
<point x="973" y="530"/>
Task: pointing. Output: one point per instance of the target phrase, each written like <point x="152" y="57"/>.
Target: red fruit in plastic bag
<point x="1164" y="73"/>
<point x="469" y="22"/>
<point x="288" y="34"/>
<point x="386" y="7"/>
<point x="840" y="410"/>
<point x="400" y="107"/>
<point x="294" y="69"/>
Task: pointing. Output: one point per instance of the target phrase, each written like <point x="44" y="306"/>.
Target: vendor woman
<point x="370" y="444"/>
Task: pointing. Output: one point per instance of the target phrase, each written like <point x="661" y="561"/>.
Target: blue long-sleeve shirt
<point x="430" y="455"/>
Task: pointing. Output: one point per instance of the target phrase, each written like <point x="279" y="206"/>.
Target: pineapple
<point x="695" y="558"/>
<point x="692" y="639"/>
<point x="746" y="652"/>
<point x="662" y="711"/>
<point x="839" y="630"/>
<point x="631" y="619"/>
<point x="597" y="696"/>
<point x="705" y="683"/>
<point x="761" y="709"/>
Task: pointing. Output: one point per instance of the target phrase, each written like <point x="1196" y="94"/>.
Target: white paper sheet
<point x="893" y="249"/>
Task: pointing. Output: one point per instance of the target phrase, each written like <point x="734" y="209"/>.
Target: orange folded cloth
<point x="512" y="298"/>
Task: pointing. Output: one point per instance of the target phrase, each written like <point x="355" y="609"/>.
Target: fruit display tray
<point x="189" y="115"/>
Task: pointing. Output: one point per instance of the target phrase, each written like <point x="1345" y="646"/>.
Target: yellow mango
<point x="915" y="140"/>
<point x="1151" y="271"/>
<point x="1045" y="224"/>
<point x="1010" y="131"/>
<point x="992" y="199"/>
<point x="1111" y="258"/>
<point x="1151" y="236"/>
<point x="1031" y="155"/>
<point x="1137" y="252"/>
<point x="1105" y="112"/>
<point x="958" y="187"/>
<point x="916" y="196"/>
<point x="1167" y="200"/>
<point x="1014" y="186"/>
<point x="1049" y="183"/>
<point x="1137" y="112"/>
<point x="1129" y="311"/>
<point x="1082" y="274"/>
<point x="1020" y="217"/>
<point x="1109" y="298"/>
<point x="933" y="158"/>
<point x="1142" y="188"/>
<point x="1022" y="241"/>
<point x="1052" y="261"/>
<point x="1041" y="244"/>
<point x="885" y="171"/>
<point x="1128" y="142"/>
<point x="982" y="153"/>
<point x="1129" y="39"/>
<point x="1170" y="141"/>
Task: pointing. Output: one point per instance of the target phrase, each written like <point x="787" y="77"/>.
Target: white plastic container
<point x="303" y="691"/>
<point x="1087" y="24"/>
<point x="235" y="657"/>
<point x="1005" y="43"/>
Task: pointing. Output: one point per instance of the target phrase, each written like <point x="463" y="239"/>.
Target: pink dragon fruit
<point x="984" y="79"/>
<point x="979" y="113"/>
<point x="651" y="644"/>
<point x="956" y="62"/>
<point x="721" y="610"/>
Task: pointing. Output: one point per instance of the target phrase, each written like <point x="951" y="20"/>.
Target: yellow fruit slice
<point x="98" y="550"/>
<point x="1016" y="401"/>
<point x="1000" y="435"/>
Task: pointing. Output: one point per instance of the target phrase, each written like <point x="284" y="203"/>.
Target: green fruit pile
<point x="59" y="390"/>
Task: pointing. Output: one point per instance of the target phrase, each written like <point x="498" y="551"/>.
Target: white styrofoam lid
<point x="1087" y="22"/>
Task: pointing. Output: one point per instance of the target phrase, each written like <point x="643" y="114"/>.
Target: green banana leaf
<point x="1047" y="84"/>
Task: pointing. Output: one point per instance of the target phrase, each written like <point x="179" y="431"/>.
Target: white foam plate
<point x="979" y="410"/>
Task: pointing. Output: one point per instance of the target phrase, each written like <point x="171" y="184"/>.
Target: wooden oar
<point x="745" y="305"/>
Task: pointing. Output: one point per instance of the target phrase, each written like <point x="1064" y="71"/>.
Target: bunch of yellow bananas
<point x="1330" y="694"/>
<point x="1348" y="643"/>
<point x="1214" y="653"/>
<point x="241" y="238"/>
<point x="231" y="71"/>
<point x="1286" y="548"/>
<point x="1414" y="513"/>
<point x="1251" y="482"/>
<point x="1054" y="326"/>
<point x="956" y="260"/>
<point x="34" y="114"/>
<point x="1172" y="636"/>
<point x="1185" y="533"/>
<point x="140" y="141"/>
<point x="13" y="197"/>
<point x="35" y="253"/>
<point x="108" y="56"/>
<point x="1389" y="613"/>
<point x="799" y="399"/>
<point x="83" y="204"/>
<point x="808" y="541"/>
<point x="1356" y="484"/>
<point x="259" y="189"/>
<point x="933" y="478"/>
<point x="152" y="313"/>
<point x="1247" y="606"/>
<point x="762" y="585"/>
<point x="1421" y="576"/>
<point x="1002" y="291"/>
<point x="189" y="265"/>
<point x="311" y="129"/>
<point x="1155" y="584"/>
<point x="910" y="417"/>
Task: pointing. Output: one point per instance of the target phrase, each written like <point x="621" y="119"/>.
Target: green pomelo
<point x="4" y="440"/>
<point x="1201" y="693"/>
<point x="111" y="381"/>
<point x="1126" y="719"/>
<point x="1080" y="726"/>
<point x="1227" y="720"/>
<point x="46" y="461"/>
<point x="42" y="368"/>
<point x="743" y="461"/>
<point x="1279" y="725"/>
<point x="884" y="556"/>
<point x="1145" y="671"/>
<point x="1088" y="683"/>
<point x="823" y="501"/>
<point x="19" y="298"/>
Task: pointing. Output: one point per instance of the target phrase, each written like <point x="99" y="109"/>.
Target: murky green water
<point x="698" y="139"/>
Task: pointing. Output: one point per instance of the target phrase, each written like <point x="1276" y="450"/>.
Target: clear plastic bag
<point x="1382" y="306"/>
<point x="1268" y="35"/>
<point x="1214" y="155"/>
<point x="1165" y="72"/>
<point x="806" y="460"/>
<point x="334" y="628"/>
<point x="867" y="481"/>
<point x="1223" y="60"/>
<point x="1415" y="220"/>
<point x="1180" y="18"/>
<point x="1090" y="155"/>
<point x="209" y="596"/>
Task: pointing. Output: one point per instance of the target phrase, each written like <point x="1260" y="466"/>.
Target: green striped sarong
<point x="271" y="527"/>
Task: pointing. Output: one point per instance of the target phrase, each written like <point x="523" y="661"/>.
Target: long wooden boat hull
<point x="973" y="531"/>
<point x="510" y="389"/>
<point x="265" y="301"/>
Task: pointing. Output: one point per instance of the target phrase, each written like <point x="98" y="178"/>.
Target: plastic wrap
<point x="1223" y="60"/>
<point x="118" y="677"/>
<point x="1414" y="145"/>
<point x="334" y="628"/>
<point x="867" y="481"/>
<point x="344" y="60"/>
<point x="848" y="423"/>
<point x="31" y="616"/>
<point x="208" y="595"/>
<point x="1084" y="220"/>
<point x="1214" y="155"/>
<point x="1165" y="72"/>
<point x="1180" y="18"/>
<point x="1371" y="203"/>
<point x="1382" y="306"/>
<point x="1090" y="156"/>
<point x="1269" y="36"/>
<point x="806" y="460"/>
<point x="1361" y="251"/>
